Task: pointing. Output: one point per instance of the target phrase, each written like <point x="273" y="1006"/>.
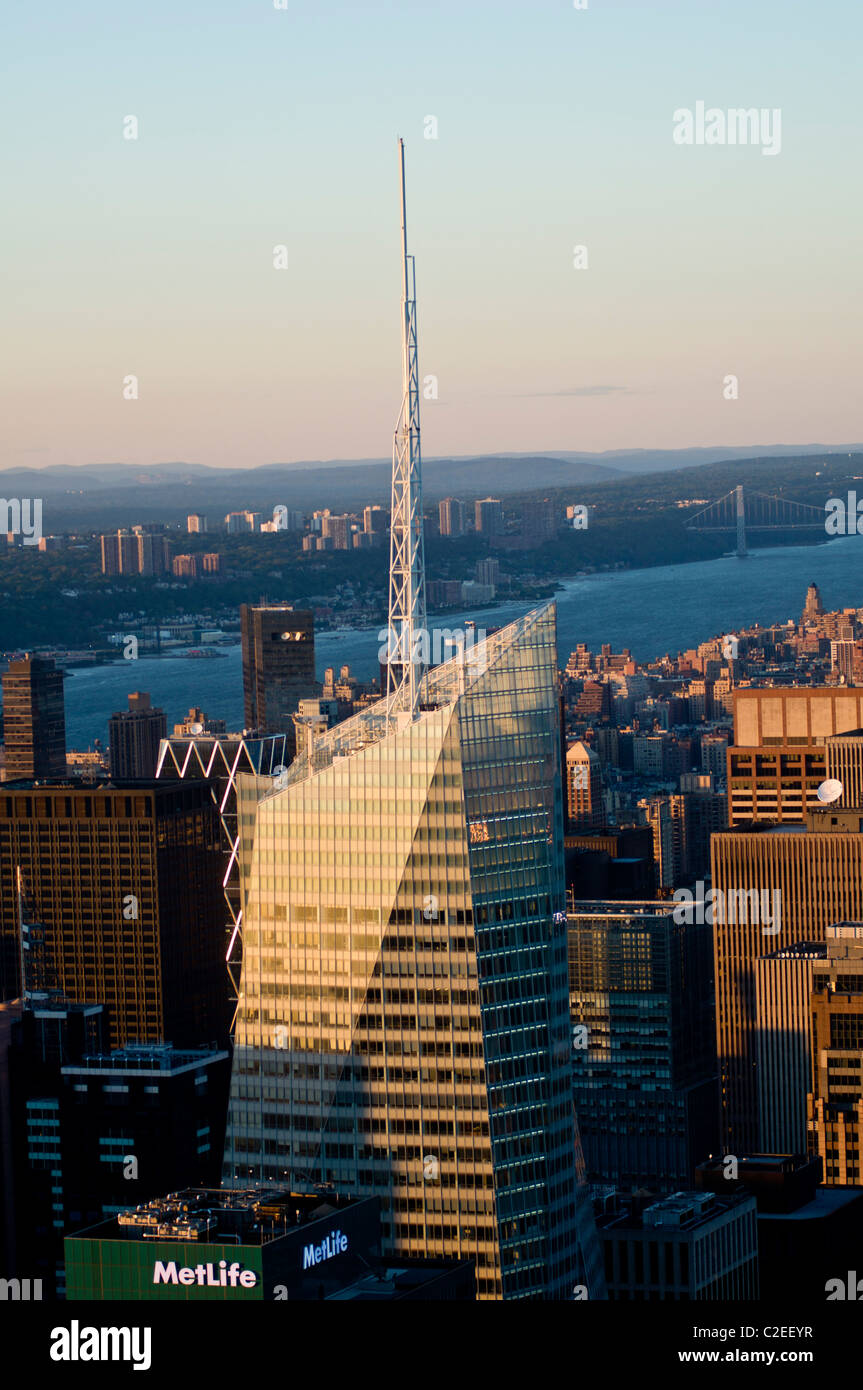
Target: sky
<point x="260" y="127"/>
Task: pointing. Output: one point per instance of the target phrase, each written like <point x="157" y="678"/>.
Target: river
<point x="651" y="611"/>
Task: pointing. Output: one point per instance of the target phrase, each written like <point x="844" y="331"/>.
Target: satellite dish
<point x="831" y="790"/>
<point x="196" y="728"/>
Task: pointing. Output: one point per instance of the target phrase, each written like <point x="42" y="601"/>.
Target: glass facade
<point x="403" y="1025"/>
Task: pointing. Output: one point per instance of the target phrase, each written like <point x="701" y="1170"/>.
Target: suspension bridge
<point x="756" y="511"/>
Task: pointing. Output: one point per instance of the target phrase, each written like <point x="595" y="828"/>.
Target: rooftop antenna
<point x="407" y="607"/>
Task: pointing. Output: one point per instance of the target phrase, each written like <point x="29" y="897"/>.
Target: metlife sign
<point x="333" y="1244"/>
<point x="213" y="1276"/>
<point x="294" y="1262"/>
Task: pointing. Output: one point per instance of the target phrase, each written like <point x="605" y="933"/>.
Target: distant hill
<point x="116" y="494"/>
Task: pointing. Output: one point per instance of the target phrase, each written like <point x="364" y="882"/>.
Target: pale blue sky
<point x="259" y="127"/>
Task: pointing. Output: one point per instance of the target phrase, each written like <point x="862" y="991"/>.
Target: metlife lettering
<point x="335" y="1244"/>
<point x="212" y="1276"/>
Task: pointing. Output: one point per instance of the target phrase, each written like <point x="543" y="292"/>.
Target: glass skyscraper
<point x="403" y="1026"/>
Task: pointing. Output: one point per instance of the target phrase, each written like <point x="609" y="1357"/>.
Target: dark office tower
<point x="278" y="665"/>
<point x="451" y="517"/>
<point x="137" y="1122"/>
<point x="95" y="1132"/>
<point x="488" y="517"/>
<point x="813" y="608"/>
<point x="34" y="720"/>
<point x="644" y="1049"/>
<point x="10" y="1012"/>
<point x="134" y="736"/>
<point x="49" y="1032"/>
<point x="835" y="1102"/>
<point x="126" y="883"/>
<point x="612" y="865"/>
<point x="403" y="1028"/>
<point x="777" y="887"/>
<point x="783" y="984"/>
<point x="689" y="1245"/>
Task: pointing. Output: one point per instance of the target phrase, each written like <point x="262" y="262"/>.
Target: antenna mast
<point x="407" y="607"/>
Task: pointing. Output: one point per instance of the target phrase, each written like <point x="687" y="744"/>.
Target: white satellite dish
<point x="831" y="790"/>
<point x="196" y="728"/>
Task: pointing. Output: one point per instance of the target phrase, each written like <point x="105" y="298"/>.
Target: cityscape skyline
<point x="423" y="929"/>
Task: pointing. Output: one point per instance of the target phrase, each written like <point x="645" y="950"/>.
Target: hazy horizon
<point x="258" y="128"/>
<point x="335" y="462"/>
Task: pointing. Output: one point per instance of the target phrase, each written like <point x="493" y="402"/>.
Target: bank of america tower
<point x="403" y="1023"/>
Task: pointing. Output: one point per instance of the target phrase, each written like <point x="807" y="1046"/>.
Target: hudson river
<point x="651" y="611"/>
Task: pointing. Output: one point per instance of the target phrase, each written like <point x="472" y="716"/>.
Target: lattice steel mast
<point x="407" y="606"/>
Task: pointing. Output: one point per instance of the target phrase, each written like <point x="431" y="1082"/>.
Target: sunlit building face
<point x="403" y="1027"/>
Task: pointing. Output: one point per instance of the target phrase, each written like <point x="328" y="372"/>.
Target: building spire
<point x="407" y="609"/>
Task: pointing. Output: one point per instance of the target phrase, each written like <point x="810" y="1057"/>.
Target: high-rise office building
<point x="807" y="1234"/>
<point x="278" y="665"/>
<point x="403" y="1028"/>
<point x="125" y="884"/>
<point x="134" y="736"/>
<point x="714" y="748"/>
<point x="655" y="811"/>
<point x="644" y="1046"/>
<point x="835" y="1101"/>
<point x="779" y="757"/>
<point x="611" y="865"/>
<point x="451" y="517"/>
<point x="697" y="813"/>
<point x="488" y="517"/>
<point x="777" y="886"/>
<point x="845" y="765"/>
<point x="686" y="1246"/>
<point x="34" y="719"/>
<point x="251" y="1246"/>
<point x="48" y="1032"/>
<point x="783" y="984"/>
<point x="94" y="1132"/>
<point x="584" y="805"/>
